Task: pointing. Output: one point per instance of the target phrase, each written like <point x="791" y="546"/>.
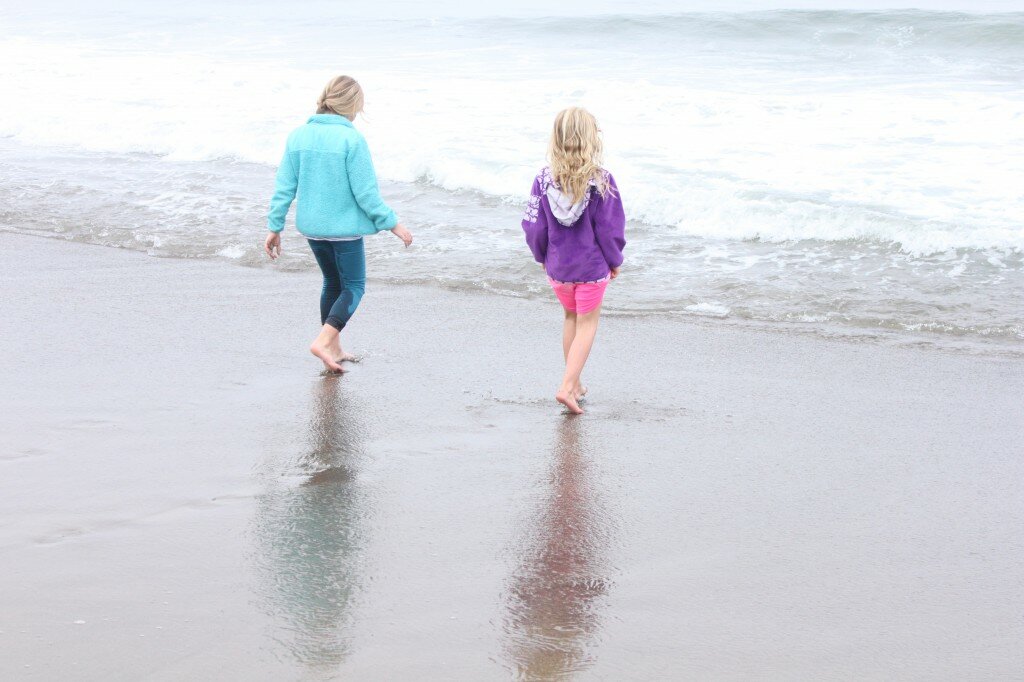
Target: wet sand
<point x="184" y="496"/>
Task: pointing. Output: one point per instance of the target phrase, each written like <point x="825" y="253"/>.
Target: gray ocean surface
<point x="841" y="173"/>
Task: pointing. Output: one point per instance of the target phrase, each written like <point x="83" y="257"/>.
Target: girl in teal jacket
<point x="327" y="163"/>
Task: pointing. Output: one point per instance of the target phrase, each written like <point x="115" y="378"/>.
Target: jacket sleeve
<point x="363" y="180"/>
<point x="535" y="224"/>
<point x="610" y="225"/>
<point x="284" y="193"/>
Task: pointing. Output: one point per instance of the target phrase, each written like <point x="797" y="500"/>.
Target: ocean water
<point x="844" y="173"/>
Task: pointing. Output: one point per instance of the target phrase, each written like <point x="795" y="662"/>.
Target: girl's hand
<point x="273" y="245"/>
<point x="615" y="272"/>
<point x="402" y="233"/>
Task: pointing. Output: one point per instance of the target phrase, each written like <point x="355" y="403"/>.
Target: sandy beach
<point x="184" y="496"/>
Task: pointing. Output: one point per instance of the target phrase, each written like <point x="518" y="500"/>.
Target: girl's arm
<point x="610" y="225"/>
<point x="363" y="180"/>
<point x="284" y="193"/>
<point x="535" y="224"/>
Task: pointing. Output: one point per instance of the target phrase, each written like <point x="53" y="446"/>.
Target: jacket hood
<point x="562" y="207"/>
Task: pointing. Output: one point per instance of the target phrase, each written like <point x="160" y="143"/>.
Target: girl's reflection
<point x="555" y="597"/>
<point x="310" y="534"/>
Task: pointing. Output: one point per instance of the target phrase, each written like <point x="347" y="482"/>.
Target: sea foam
<point x="821" y="147"/>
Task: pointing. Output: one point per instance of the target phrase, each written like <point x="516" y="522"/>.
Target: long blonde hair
<point x="575" y="153"/>
<point x="342" y="96"/>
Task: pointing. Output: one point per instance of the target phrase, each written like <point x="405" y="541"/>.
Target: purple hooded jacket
<point x="576" y="242"/>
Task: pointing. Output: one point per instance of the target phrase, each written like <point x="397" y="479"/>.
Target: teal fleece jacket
<point x="327" y="163"/>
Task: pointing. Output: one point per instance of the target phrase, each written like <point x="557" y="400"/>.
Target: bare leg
<point x="576" y="358"/>
<point x="568" y="334"/>
<point x="321" y="347"/>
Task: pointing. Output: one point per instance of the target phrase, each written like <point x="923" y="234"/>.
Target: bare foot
<point x="580" y="392"/>
<point x="568" y="398"/>
<point x="339" y="354"/>
<point x="324" y="353"/>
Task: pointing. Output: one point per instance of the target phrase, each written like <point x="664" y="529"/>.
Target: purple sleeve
<point x="535" y="225"/>
<point x="610" y="225"/>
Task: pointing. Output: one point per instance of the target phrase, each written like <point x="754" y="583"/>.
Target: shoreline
<point x="826" y="331"/>
<point x="185" y="496"/>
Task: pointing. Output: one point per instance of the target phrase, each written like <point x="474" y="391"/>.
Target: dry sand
<point x="183" y="496"/>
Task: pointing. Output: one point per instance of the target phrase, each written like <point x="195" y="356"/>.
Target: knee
<point x="356" y="285"/>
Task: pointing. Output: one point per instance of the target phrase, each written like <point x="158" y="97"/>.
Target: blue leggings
<point x="344" y="268"/>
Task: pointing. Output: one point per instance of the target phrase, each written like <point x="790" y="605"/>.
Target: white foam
<point x="234" y="252"/>
<point x="925" y="164"/>
<point x="709" y="309"/>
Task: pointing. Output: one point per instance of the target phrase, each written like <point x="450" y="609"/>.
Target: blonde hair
<point x="342" y="96"/>
<point x="575" y="153"/>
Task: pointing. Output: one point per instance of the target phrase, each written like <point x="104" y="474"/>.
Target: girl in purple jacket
<point x="575" y="227"/>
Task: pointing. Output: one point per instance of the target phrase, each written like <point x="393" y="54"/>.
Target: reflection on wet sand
<point x="309" y="535"/>
<point x="555" y="597"/>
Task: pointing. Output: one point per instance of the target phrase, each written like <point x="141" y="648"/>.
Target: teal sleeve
<point x="363" y="180"/>
<point x="284" y="193"/>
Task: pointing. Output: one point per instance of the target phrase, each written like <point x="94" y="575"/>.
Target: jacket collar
<point x="330" y="119"/>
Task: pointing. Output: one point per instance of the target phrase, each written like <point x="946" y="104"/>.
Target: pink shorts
<point x="579" y="297"/>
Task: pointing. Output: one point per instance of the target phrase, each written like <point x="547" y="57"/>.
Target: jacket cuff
<point x="388" y="223"/>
